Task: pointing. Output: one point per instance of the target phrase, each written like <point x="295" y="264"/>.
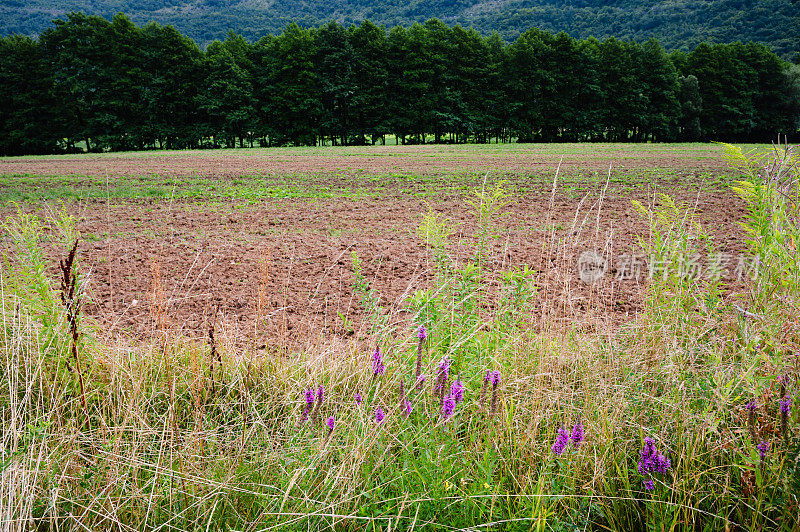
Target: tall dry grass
<point x="180" y="439"/>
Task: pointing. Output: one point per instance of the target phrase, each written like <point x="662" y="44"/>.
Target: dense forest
<point x="112" y="85"/>
<point x="677" y="24"/>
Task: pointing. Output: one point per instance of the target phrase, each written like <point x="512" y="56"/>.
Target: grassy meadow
<point x="465" y="409"/>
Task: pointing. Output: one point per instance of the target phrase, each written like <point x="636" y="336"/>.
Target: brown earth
<point x="282" y="267"/>
<point x="374" y="160"/>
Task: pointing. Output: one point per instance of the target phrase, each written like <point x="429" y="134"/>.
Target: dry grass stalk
<point x="72" y="301"/>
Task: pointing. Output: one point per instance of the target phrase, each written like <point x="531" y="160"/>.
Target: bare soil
<point x="282" y="267"/>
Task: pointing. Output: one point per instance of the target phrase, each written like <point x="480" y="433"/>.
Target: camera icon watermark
<point x="592" y="266"/>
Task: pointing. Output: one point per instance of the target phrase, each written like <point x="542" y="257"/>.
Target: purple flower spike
<point x="422" y="334"/>
<point x="448" y="406"/>
<point x="331" y="423"/>
<point x="309" y="397"/>
<point x="496" y="378"/>
<point x="762" y="447"/>
<point x="321" y="394"/>
<point x="562" y="438"/>
<point x="407" y="407"/>
<point x="421" y="379"/>
<point x="378" y="367"/>
<point x="379" y="415"/>
<point x="649" y="485"/>
<point x="650" y="460"/>
<point x="444" y="368"/>
<point x="358" y="398"/>
<point x="488" y="377"/>
<point x="578" y="434"/>
<point x="305" y="415"/>
<point x="457" y="391"/>
<point x="786" y="405"/>
<point x="751" y="406"/>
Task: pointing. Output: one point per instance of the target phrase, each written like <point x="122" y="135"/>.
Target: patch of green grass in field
<point x="354" y="182"/>
<point x="603" y="150"/>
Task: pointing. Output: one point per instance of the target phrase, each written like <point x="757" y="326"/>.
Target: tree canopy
<point x="96" y="84"/>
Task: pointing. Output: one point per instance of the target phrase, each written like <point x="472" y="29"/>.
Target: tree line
<point x="103" y="85"/>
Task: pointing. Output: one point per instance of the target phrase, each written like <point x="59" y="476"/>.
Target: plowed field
<point x="262" y="239"/>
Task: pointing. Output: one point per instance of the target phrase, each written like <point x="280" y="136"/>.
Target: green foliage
<point x="771" y="191"/>
<point x="176" y="444"/>
<point x="487" y="206"/>
<point x="378" y="318"/>
<point x="111" y="85"/>
<point x="772" y="22"/>
<point x="680" y="293"/>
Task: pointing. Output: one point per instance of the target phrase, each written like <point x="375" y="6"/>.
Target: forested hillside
<point x="677" y="24"/>
<point x="117" y="86"/>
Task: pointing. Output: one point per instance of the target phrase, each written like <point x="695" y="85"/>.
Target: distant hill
<point x="677" y="24"/>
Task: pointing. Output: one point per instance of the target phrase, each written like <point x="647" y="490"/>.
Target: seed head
<point x="495" y="384"/>
<point x="751" y="418"/>
<point x="444" y="369"/>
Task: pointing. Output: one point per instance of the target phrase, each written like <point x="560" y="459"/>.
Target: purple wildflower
<point x="379" y="415"/>
<point x="785" y="409"/>
<point x="407" y="407"/>
<point x="650" y="460"/>
<point x="421" y="379"/>
<point x="488" y="378"/>
<point x="562" y="438"/>
<point x="378" y="367"/>
<point x="320" y="394"/>
<point x="358" y="398"/>
<point x="457" y="390"/>
<point x="443" y="371"/>
<point x="786" y="405"/>
<point x="496" y="378"/>
<point x="762" y="447"/>
<point x="422" y="334"/>
<point x="309" y="395"/>
<point x="448" y="406"/>
<point x="331" y="423"/>
<point x="751" y="406"/>
<point x="578" y="434"/>
<point x="305" y="415"/>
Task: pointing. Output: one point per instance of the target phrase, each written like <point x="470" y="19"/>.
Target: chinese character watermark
<point x="714" y="267"/>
